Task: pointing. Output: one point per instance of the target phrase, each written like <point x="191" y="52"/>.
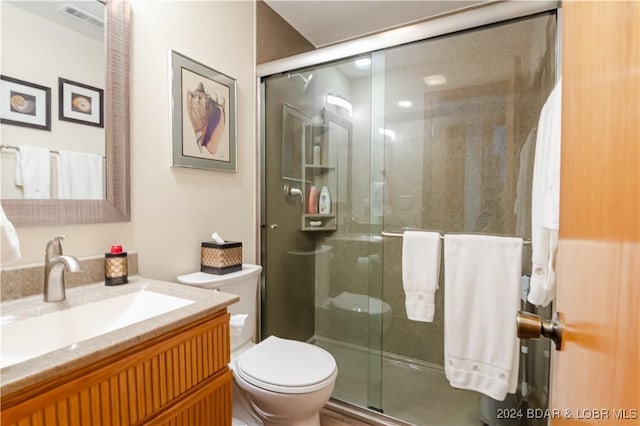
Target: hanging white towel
<point x="482" y="295"/>
<point x="33" y="172"/>
<point x="10" y="244"/>
<point x="81" y="176"/>
<point x="420" y="272"/>
<point x="545" y="200"/>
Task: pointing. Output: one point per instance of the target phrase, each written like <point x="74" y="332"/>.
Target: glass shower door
<point x="434" y="135"/>
<point x="458" y="116"/>
<point x="318" y="265"/>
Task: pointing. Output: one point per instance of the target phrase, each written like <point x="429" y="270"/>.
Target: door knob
<point x="531" y="326"/>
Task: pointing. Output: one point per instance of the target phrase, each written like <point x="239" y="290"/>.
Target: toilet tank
<point x="243" y="283"/>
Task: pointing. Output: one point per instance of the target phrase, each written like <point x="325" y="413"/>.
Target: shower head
<point x="306" y="80"/>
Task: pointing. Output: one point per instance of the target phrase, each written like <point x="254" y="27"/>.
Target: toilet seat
<point x="286" y="366"/>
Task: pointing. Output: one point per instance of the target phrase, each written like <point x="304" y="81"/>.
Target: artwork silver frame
<point x="203" y="116"/>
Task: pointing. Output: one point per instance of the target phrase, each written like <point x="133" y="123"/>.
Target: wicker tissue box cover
<point x="222" y="258"/>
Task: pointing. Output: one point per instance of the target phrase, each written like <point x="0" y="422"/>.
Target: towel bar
<point x="400" y="234"/>
<point x="53" y="151"/>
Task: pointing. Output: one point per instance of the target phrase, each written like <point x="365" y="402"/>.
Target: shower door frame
<point x="488" y="13"/>
<point x="456" y="21"/>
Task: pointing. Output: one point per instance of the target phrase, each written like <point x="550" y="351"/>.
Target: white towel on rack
<point x="482" y="295"/>
<point x="420" y="273"/>
<point x="80" y="176"/>
<point x="545" y="200"/>
<point x="33" y="172"/>
<point x="10" y="243"/>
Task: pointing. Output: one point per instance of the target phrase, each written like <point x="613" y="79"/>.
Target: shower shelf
<point x="331" y="137"/>
<point x="328" y="222"/>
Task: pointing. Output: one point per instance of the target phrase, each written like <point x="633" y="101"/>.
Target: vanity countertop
<point x="15" y="377"/>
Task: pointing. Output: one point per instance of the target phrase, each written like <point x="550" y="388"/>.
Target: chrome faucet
<point x="54" y="265"/>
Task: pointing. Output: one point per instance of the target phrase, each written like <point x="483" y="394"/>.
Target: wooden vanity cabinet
<point x="178" y="378"/>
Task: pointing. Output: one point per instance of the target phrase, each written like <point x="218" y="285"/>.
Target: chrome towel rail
<point x="400" y="235"/>
<point x="53" y="151"/>
<point x="3" y="146"/>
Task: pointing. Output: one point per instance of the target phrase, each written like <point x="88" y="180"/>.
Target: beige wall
<point x="275" y="37"/>
<point x="174" y="209"/>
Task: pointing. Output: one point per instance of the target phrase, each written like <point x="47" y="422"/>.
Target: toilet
<point x="277" y="381"/>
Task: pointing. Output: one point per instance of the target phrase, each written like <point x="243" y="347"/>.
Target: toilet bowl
<point x="285" y="381"/>
<point x="277" y="381"/>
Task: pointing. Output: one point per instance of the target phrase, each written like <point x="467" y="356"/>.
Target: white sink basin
<point x="31" y="337"/>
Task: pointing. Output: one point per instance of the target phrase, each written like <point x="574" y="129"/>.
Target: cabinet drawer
<point x="130" y="387"/>
<point x="208" y="406"/>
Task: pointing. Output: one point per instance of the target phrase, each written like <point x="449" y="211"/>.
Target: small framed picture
<point x="203" y="116"/>
<point x="24" y="104"/>
<point x="80" y="103"/>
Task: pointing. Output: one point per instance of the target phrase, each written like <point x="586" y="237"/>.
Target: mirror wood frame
<point x="116" y="206"/>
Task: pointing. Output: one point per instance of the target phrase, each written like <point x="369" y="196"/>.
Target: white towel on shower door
<point x="33" y="172"/>
<point x="482" y="297"/>
<point x="420" y="273"/>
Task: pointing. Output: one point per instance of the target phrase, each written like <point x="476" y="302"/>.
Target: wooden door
<point x="595" y="378"/>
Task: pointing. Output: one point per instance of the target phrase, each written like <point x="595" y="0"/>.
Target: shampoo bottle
<point x="312" y="202"/>
<point x="325" y="201"/>
<point x="316" y="152"/>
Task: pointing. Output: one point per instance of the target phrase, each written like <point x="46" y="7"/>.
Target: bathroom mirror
<point x="115" y="206"/>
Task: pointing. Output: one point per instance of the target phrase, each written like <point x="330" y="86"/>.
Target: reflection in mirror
<point x="58" y="45"/>
<point x="75" y="117"/>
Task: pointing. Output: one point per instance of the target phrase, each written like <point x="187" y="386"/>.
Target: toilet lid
<point x="286" y="366"/>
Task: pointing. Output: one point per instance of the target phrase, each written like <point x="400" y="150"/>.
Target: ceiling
<point x="332" y="21"/>
<point x="52" y="10"/>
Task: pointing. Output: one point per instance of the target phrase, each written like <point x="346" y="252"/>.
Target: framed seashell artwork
<point x="24" y="104"/>
<point x="80" y="103"/>
<point x="203" y="116"/>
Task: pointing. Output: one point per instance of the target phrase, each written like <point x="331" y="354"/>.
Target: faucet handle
<point x="54" y="247"/>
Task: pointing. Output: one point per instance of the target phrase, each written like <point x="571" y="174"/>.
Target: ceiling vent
<point x="81" y="15"/>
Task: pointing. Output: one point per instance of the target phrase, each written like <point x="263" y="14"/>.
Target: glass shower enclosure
<point x="434" y="135"/>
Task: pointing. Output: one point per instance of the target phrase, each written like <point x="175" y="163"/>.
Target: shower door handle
<point x="531" y="326"/>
